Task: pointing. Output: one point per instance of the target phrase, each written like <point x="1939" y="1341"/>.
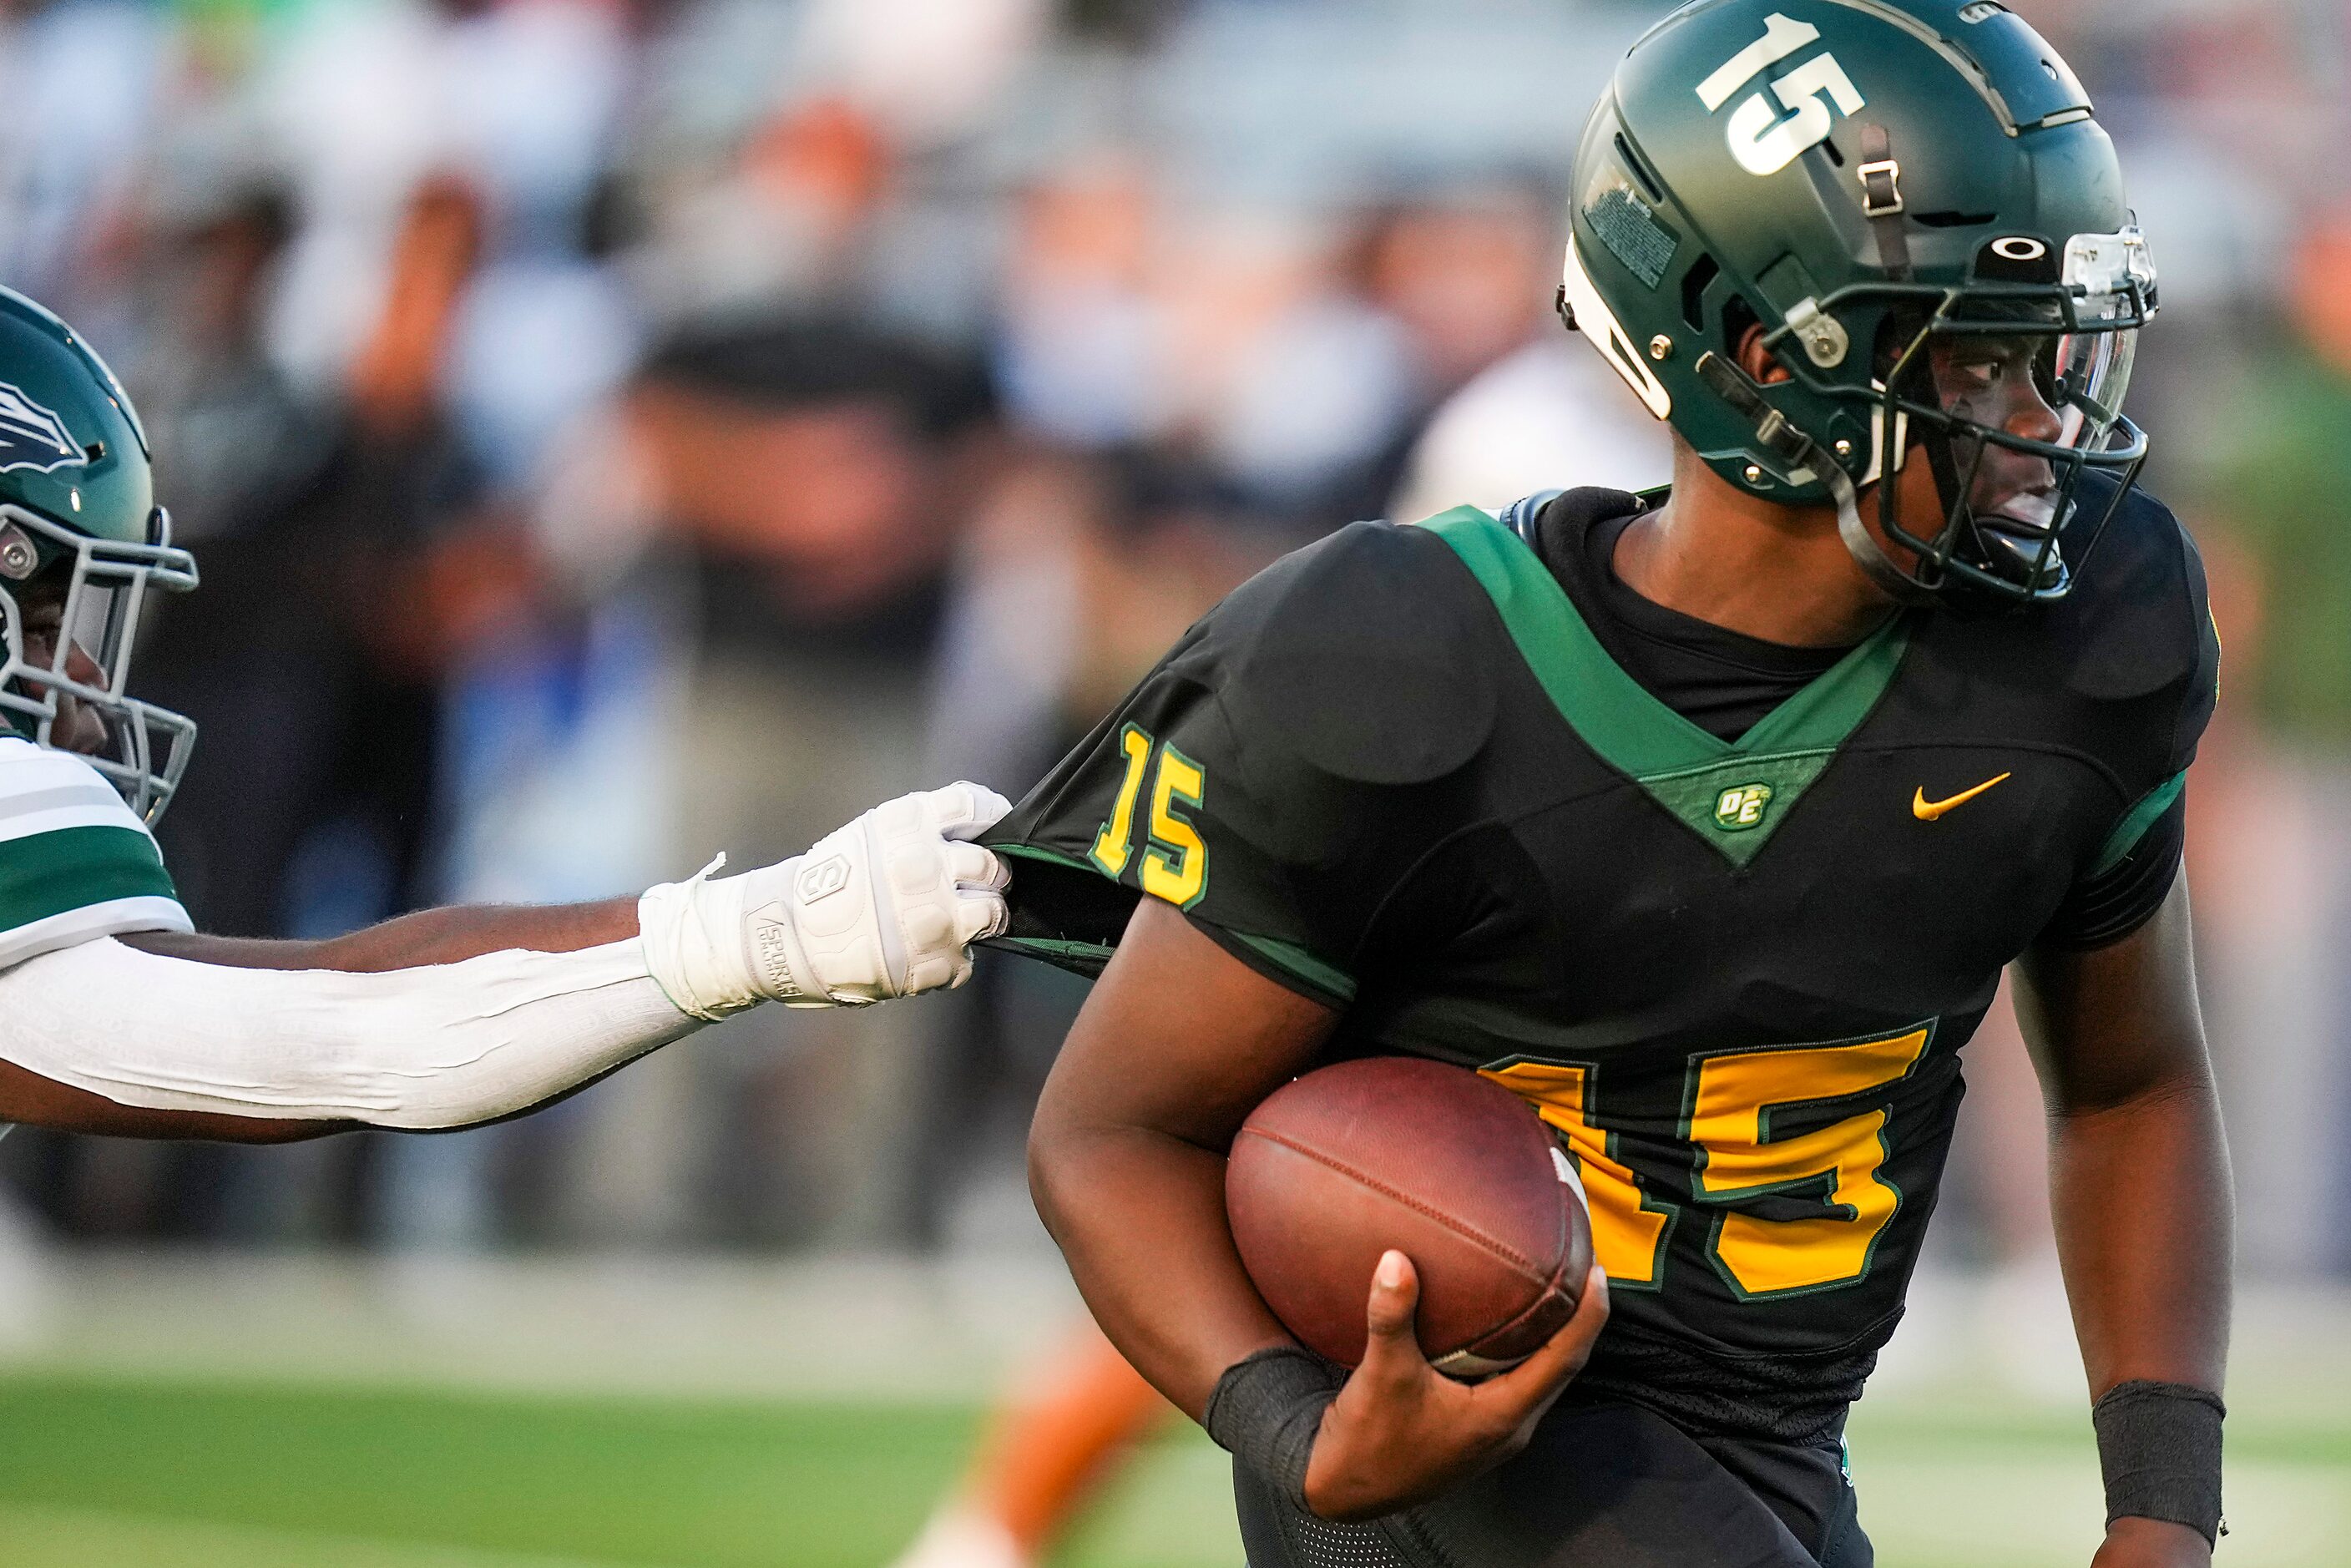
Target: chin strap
<point x="1805" y="461"/>
<point x="1863" y="546"/>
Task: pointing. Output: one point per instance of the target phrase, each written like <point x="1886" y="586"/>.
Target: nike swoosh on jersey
<point x="1927" y="811"/>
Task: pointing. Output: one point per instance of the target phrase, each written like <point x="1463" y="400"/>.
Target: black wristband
<point x="1265" y="1410"/>
<point x="2159" y="1446"/>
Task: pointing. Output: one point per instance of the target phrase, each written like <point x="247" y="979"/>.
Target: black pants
<point x="1601" y="1486"/>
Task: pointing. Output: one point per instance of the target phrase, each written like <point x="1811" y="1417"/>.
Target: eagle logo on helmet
<point x="32" y="436"/>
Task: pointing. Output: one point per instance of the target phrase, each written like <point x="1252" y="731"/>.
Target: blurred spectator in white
<point x="931" y="70"/>
<point x="1287" y="376"/>
<point x="1084" y="350"/>
<point x="1504" y="402"/>
<point x="84" y="83"/>
<point x="1549" y="416"/>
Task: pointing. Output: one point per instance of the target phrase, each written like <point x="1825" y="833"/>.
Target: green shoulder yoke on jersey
<point x="1733" y="795"/>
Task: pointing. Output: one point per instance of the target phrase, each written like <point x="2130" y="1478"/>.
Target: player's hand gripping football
<point x="886" y="906"/>
<point x="1400" y="1432"/>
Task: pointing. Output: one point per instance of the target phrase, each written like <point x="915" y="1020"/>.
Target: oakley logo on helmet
<point x="32" y="436"/>
<point x="1812" y="95"/>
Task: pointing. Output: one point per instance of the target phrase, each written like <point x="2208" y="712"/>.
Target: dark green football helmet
<point x="79" y="528"/>
<point x="1882" y="185"/>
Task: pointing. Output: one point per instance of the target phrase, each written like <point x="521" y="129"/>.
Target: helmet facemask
<point x="104" y="586"/>
<point x="2012" y="388"/>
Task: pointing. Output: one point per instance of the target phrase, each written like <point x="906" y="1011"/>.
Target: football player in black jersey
<point x="1705" y="820"/>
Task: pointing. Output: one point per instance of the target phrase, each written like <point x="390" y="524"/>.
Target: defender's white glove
<point x="884" y="907"/>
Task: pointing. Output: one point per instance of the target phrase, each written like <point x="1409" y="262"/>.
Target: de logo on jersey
<point x="1811" y="96"/>
<point x="1742" y="808"/>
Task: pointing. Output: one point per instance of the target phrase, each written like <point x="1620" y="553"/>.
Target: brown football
<point x="1457" y="1173"/>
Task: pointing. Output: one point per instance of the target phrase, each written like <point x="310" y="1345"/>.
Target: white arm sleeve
<point x="445" y="1045"/>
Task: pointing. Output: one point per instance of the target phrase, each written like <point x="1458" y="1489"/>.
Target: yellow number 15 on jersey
<point x="1732" y="1098"/>
<point x="1175" y="857"/>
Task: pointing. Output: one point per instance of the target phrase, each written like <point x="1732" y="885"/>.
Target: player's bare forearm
<point x="38" y="1101"/>
<point x="1140" y="1219"/>
<point x="2139" y="1167"/>
<point x="1176" y="1045"/>
<point x="449" y="935"/>
<point x="2139" y="1177"/>
<point x="2140" y="1193"/>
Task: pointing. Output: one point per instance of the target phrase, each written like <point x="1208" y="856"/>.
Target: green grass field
<point x="157" y="1474"/>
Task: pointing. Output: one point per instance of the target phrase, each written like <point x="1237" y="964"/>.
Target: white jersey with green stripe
<point x="75" y="864"/>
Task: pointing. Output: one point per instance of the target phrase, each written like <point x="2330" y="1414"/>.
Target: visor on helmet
<point x="2110" y="280"/>
<point x="2013" y="385"/>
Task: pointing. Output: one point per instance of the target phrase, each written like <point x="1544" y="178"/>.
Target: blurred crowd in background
<point x="614" y="430"/>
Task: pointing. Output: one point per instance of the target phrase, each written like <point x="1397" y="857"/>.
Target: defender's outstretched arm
<point x="456" y="1017"/>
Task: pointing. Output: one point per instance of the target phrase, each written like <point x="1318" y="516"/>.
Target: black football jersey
<point x="1398" y="773"/>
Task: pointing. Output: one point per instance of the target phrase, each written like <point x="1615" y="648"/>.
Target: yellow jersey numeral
<point x="1175" y="865"/>
<point x="1627" y="1236"/>
<point x="1175" y="857"/>
<point x="1730" y="1116"/>
<point x="1115" y="843"/>
<point x="1732" y="1097"/>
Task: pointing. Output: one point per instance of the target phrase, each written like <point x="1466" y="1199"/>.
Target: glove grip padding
<point x="836" y="901"/>
<point x="883" y="907"/>
<point x="712" y="959"/>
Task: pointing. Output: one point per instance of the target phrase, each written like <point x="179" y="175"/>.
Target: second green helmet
<point x="82" y="548"/>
